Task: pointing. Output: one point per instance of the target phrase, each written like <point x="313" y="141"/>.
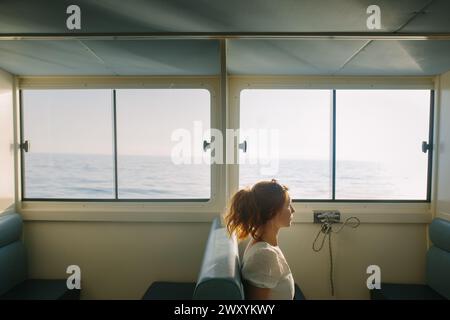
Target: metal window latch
<point x="243" y="146"/>
<point x="25" y="146"/>
<point x="425" y="146"/>
<point x="206" y="145"/>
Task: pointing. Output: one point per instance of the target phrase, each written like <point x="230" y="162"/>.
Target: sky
<point x="75" y="121"/>
<point x="372" y="125"/>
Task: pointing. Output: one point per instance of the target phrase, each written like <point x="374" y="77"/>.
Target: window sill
<point x="188" y="212"/>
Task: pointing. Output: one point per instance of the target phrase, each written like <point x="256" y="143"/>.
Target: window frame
<point x="429" y="157"/>
<point x="202" y="205"/>
<point x="239" y="84"/>
<point x="182" y="212"/>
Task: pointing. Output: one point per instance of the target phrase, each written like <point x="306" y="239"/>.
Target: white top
<point x="264" y="266"/>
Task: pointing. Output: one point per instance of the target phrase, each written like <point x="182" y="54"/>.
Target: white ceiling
<point x="201" y="57"/>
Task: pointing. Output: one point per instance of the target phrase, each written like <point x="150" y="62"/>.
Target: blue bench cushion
<point x="298" y="293"/>
<point x="14" y="284"/>
<point x="10" y="228"/>
<point x="41" y="290"/>
<point x="438" y="257"/>
<point x="220" y="274"/>
<point x="438" y="271"/>
<point x="392" y="291"/>
<point x="162" y="290"/>
<point x="440" y="233"/>
<point x="13" y="267"/>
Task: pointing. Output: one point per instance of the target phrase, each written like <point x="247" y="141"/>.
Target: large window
<point x="146" y="121"/>
<point x="149" y="144"/>
<point x="379" y="134"/>
<point x="341" y="145"/>
<point x="115" y="144"/>
<point x="70" y="135"/>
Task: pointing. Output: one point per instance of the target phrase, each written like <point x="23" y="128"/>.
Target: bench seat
<point x="437" y="284"/>
<point x="162" y="290"/>
<point x="14" y="281"/>
<point x="219" y="277"/>
<point x="394" y="291"/>
<point x="37" y="289"/>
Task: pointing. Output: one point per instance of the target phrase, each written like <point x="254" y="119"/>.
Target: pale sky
<point x="372" y="125"/>
<point x="75" y="121"/>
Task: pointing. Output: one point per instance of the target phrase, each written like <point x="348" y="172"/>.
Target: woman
<point x="260" y="212"/>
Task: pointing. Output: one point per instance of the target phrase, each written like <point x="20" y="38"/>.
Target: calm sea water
<point x="142" y="177"/>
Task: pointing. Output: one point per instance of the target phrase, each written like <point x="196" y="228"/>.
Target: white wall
<point x="6" y="143"/>
<point x="398" y="249"/>
<point x="443" y="173"/>
<point x="117" y="260"/>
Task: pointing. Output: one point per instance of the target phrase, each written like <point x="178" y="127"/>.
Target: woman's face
<point x="285" y="215"/>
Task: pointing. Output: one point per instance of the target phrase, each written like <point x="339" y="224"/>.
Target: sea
<point x="87" y="176"/>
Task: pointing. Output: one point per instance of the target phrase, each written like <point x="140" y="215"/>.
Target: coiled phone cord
<point x="327" y="230"/>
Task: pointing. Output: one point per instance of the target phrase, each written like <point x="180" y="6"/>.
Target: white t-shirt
<point x="264" y="266"/>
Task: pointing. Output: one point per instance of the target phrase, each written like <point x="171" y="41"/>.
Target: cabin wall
<point x="6" y="142"/>
<point x="398" y="249"/>
<point x="443" y="172"/>
<point x="120" y="260"/>
<point x="117" y="260"/>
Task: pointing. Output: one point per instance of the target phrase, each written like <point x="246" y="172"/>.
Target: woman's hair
<point x="252" y="208"/>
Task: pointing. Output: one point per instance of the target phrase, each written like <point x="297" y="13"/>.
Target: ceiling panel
<point x="164" y="57"/>
<point x="290" y="57"/>
<point x="338" y="57"/>
<point x="401" y="58"/>
<point x="49" y="16"/>
<point x="200" y="57"/>
<point x="183" y="57"/>
<point x="245" y="57"/>
<point x="49" y="58"/>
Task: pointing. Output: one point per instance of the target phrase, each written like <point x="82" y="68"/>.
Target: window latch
<point x="425" y="146"/>
<point x="206" y="145"/>
<point x="243" y="146"/>
<point x="25" y="146"/>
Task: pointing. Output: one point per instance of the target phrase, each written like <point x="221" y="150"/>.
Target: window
<point x="326" y="145"/>
<point x="344" y="145"/>
<point x="288" y="137"/>
<point x="146" y="121"/>
<point x="115" y="144"/>
<point x="70" y="133"/>
<point x="378" y="144"/>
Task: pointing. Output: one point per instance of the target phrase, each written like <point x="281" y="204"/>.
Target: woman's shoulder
<point x="261" y="250"/>
<point x="261" y="245"/>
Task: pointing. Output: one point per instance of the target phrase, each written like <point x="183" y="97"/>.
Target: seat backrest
<point x="13" y="268"/>
<point x="220" y="274"/>
<point x="438" y="257"/>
